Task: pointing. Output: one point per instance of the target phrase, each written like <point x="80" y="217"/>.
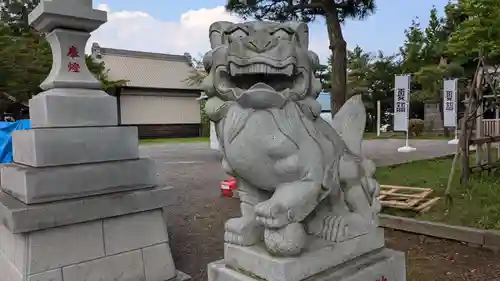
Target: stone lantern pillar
<point x="78" y="203"/>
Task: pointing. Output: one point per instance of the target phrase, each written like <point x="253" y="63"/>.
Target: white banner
<point x="450" y="103"/>
<point x="401" y="102"/>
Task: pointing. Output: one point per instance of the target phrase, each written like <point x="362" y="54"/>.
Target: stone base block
<point x="379" y="265"/>
<point x="128" y="247"/>
<point x="65" y="146"/>
<point x="73" y="108"/>
<point x="320" y="256"/>
<point x="36" y="185"/>
<point x="20" y="218"/>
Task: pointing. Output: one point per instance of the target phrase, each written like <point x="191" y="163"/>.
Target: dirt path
<point x="197" y="240"/>
<point x="196" y="221"/>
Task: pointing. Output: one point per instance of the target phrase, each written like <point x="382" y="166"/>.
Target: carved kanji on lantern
<point x="73" y="52"/>
<point x="73" y="67"/>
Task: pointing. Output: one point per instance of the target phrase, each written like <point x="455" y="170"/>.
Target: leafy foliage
<point x="25" y="60"/>
<point x="15" y="14"/>
<point x="478" y="33"/>
<point x="446" y="48"/>
<point x="197" y="74"/>
<point x="283" y="10"/>
<point x="25" y="55"/>
<point x="195" y="78"/>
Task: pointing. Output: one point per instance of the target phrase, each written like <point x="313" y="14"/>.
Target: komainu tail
<point x="350" y="121"/>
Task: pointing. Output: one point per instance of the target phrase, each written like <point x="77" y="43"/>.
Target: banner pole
<point x="407" y="147"/>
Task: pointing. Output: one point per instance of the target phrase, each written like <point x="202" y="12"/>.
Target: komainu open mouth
<point x="279" y="78"/>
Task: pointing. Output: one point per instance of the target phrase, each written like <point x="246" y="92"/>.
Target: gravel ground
<point x="196" y="221"/>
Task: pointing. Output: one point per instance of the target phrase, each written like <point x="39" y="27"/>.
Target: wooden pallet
<point x="407" y="198"/>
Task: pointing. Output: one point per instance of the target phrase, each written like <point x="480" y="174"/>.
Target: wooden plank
<point x="435" y="229"/>
<point x="382" y="196"/>
<point x="404" y="187"/>
<point x="406" y="197"/>
<point x="395" y="204"/>
<point x="424" y="207"/>
<point x="483" y="140"/>
<point x="409" y="196"/>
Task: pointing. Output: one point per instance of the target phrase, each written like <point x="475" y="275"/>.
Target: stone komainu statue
<point x="299" y="177"/>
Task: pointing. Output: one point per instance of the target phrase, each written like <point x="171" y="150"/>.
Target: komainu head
<point x="260" y="64"/>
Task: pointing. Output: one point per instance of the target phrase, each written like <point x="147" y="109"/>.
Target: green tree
<point x="335" y="13"/>
<point x="423" y="54"/>
<point x="411" y="51"/>
<point x="25" y="55"/>
<point x="25" y="60"/>
<point x="195" y="78"/>
<point x="372" y="75"/>
<point x="15" y="14"/>
<point x="381" y="77"/>
<point x="426" y="59"/>
<point x="358" y="68"/>
<point x="197" y="74"/>
<point x="102" y="74"/>
<point x="479" y="32"/>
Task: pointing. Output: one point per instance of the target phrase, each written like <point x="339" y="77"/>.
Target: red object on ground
<point x="228" y="187"/>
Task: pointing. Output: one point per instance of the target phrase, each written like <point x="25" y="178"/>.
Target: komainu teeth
<point x="233" y="69"/>
<point x="260" y="68"/>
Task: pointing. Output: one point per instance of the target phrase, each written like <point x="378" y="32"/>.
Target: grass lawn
<point x="173" y="140"/>
<point x="401" y="135"/>
<point x="477" y="205"/>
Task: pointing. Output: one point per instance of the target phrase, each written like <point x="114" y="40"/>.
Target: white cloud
<point x="136" y="30"/>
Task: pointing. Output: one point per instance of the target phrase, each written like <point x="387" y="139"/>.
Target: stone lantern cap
<point x="67" y="14"/>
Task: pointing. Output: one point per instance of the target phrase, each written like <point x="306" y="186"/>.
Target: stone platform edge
<point x="381" y="264"/>
<point x="489" y="239"/>
<point x="20" y="218"/>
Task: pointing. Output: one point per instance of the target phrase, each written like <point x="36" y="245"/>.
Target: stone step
<point x="20" y="218"/>
<point x="64" y="146"/>
<point x="37" y="185"/>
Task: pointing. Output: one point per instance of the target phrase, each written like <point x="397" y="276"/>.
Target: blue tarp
<point x="6" y="129"/>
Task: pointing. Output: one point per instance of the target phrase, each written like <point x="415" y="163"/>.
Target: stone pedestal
<point x="380" y="265"/>
<point x="78" y="203"/>
<point x="432" y="117"/>
<point x="111" y="237"/>
<point x="362" y="258"/>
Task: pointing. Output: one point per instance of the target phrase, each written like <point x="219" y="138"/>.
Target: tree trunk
<point x="338" y="91"/>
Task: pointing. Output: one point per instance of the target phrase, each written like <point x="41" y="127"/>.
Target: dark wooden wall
<point x="168" y="130"/>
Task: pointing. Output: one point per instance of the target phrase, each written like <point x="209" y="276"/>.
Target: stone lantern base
<point x="111" y="237"/>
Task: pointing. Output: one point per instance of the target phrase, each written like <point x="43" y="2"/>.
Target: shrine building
<point x="156" y="98"/>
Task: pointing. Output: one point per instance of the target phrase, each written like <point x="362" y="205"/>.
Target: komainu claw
<point x="243" y="231"/>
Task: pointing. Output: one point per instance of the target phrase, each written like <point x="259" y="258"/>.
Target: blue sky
<point x="382" y="31"/>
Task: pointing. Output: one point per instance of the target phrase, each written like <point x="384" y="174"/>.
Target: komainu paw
<point x="243" y="231"/>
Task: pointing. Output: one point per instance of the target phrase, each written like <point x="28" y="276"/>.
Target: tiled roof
<point x="146" y="70"/>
